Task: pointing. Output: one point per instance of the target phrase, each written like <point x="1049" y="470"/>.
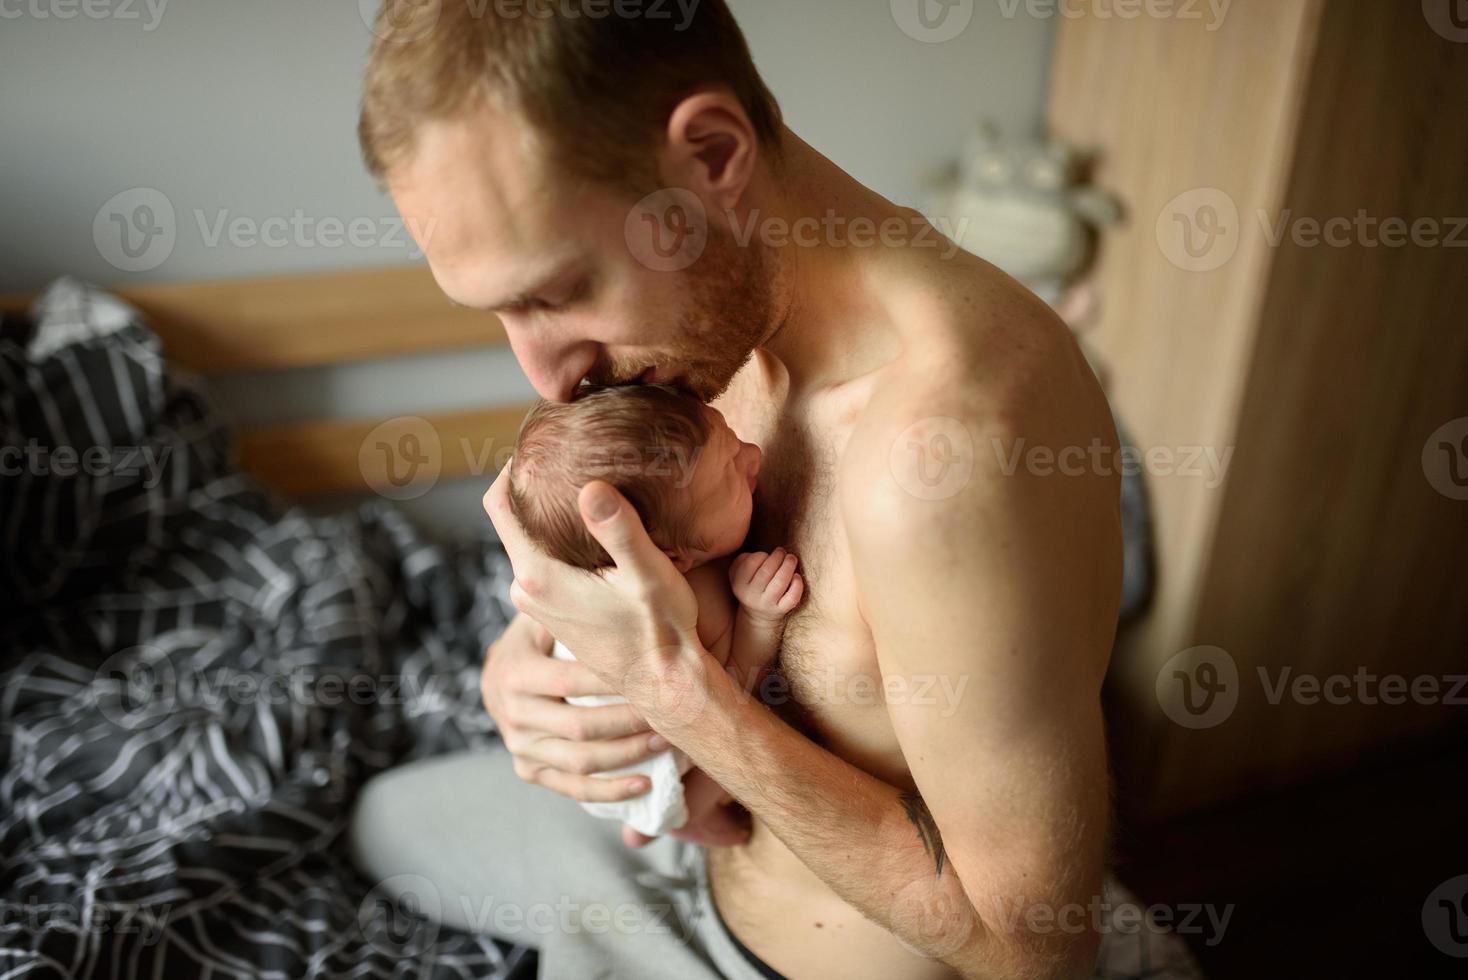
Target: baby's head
<point x="676" y="460"/>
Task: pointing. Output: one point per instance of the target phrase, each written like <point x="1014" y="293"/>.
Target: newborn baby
<point x="691" y="480"/>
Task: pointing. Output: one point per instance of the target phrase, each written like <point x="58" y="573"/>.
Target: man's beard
<point x="730" y="311"/>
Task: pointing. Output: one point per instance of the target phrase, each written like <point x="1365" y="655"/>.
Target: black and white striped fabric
<point x="195" y="680"/>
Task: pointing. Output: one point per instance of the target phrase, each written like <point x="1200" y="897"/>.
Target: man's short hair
<point x="598" y="89"/>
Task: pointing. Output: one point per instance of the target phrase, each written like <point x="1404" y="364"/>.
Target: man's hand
<point x="629" y="623"/>
<point x="554" y="744"/>
<point x="619" y="624"/>
<point x="767" y="585"/>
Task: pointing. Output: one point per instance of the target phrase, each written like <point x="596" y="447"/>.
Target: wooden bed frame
<point x="249" y="325"/>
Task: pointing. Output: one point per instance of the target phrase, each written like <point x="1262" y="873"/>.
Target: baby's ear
<point x="681" y="562"/>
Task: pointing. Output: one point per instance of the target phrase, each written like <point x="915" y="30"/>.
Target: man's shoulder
<point x="986" y="364"/>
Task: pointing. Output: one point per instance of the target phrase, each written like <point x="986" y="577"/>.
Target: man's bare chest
<point x="826" y="680"/>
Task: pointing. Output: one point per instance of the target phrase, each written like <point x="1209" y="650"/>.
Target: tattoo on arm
<point x="927" y="828"/>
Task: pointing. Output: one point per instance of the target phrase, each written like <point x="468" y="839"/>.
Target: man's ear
<point x="711" y="149"/>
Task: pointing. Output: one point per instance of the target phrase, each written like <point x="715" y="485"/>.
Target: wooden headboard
<point x="251" y="325"/>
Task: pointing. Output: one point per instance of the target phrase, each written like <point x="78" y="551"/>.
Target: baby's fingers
<point x="780" y="580"/>
<point x="767" y="569"/>
<point x="745" y="566"/>
<point x="792" y="595"/>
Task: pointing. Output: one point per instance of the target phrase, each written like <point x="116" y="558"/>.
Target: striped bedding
<point x="195" y="680"/>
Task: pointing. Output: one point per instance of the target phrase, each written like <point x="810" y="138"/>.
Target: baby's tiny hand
<point x="767" y="585"/>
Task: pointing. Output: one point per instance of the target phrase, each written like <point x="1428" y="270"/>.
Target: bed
<point x="197" y="674"/>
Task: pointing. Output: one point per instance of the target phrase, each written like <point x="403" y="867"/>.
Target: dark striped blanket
<point x="195" y="680"/>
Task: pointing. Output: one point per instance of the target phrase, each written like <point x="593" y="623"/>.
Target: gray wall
<point x="226" y="112"/>
<point x="246" y="110"/>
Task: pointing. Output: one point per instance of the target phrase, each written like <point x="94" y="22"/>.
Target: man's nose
<point x="554" y="370"/>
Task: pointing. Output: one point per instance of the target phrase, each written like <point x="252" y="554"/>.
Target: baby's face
<point x="721" y="492"/>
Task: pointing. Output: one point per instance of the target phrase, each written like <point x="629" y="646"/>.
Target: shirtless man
<point x="892" y="831"/>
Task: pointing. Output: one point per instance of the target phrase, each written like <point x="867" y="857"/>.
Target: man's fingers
<point x="589" y="758"/>
<point x="588" y="789"/>
<point x="615" y="524"/>
<point x="579" y="724"/>
<point x="564" y="679"/>
<point x="527" y="561"/>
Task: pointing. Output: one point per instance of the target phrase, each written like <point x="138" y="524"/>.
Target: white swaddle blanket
<point x="657" y="811"/>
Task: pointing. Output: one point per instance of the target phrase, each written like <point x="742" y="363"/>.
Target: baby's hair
<point x="642" y="439"/>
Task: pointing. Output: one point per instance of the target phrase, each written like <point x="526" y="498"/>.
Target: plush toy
<point x="1022" y="205"/>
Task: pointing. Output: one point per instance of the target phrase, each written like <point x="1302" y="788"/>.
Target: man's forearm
<point x="875" y="846"/>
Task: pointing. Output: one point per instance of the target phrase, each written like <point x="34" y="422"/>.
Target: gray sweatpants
<point x="468" y="843"/>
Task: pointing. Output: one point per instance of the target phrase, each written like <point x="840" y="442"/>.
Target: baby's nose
<point x="753" y="458"/>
